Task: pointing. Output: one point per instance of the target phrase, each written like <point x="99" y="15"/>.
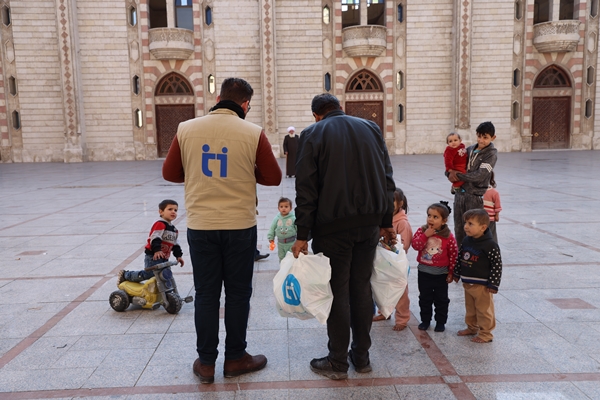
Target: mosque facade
<point x="87" y="80"/>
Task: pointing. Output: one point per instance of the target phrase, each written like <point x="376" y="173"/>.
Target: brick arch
<point x="552" y="76"/>
<point x="364" y="81"/>
<point x="174" y="84"/>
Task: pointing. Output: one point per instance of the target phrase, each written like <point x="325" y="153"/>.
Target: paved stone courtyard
<point x="66" y="229"/>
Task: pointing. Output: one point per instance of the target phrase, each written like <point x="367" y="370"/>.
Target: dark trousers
<point x="463" y="202"/>
<point x="351" y="254"/>
<point x="433" y="290"/>
<point x="222" y="258"/>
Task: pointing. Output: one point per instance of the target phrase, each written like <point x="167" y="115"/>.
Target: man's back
<point x="343" y="174"/>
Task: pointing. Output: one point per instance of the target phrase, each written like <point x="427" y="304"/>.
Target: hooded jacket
<point x="343" y="177"/>
<point x="479" y="167"/>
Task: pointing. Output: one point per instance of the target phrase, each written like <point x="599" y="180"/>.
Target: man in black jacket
<point x="344" y="199"/>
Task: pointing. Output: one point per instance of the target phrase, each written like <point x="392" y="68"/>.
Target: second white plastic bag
<point x="302" y="288"/>
<point x="389" y="279"/>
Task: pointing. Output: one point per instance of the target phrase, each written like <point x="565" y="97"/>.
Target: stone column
<point x="462" y="65"/>
<point x="66" y="12"/>
<point x="269" y="71"/>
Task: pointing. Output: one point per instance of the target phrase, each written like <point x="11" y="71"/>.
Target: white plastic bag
<point x="389" y="279"/>
<point x="302" y="288"/>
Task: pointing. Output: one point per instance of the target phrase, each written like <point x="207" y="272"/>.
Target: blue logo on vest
<point x="222" y="158"/>
<point x="291" y="290"/>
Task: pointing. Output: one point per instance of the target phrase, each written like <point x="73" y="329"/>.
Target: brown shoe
<point x="247" y="363"/>
<point x="206" y="373"/>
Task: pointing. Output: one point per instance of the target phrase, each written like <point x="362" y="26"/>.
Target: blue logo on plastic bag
<point x="291" y="290"/>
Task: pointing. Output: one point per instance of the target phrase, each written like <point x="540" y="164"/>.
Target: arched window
<point x="552" y="76"/>
<point x="173" y="84"/>
<point x="364" y="81"/>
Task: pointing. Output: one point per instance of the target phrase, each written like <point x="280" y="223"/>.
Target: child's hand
<point x="180" y="261"/>
<point x="492" y="291"/>
<point x="452" y="176"/>
<point x="271" y="245"/>
<point x="449" y="278"/>
<point x="456" y="278"/>
<point x="497" y="218"/>
<point x="158" y="255"/>
<point x="429" y="232"/>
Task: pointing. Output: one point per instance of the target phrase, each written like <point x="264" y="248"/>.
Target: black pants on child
<point x="433" y="290"/>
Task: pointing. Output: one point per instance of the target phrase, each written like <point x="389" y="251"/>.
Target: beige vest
<point x="218" y="152"/>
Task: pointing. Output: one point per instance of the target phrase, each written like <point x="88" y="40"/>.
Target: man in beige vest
<point x="221" y="157"/>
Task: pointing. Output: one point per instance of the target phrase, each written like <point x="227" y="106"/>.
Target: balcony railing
<point x="556" y="36"/>
<point x="171" y="43"/>
<point x="364" y="40"/>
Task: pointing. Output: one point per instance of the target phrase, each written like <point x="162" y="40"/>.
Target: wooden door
<point x="551" y="123"/>
<point x="168" y="118"/>
<point x="371" y="110"/>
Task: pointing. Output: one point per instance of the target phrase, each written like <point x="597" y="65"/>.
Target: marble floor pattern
<point x="67" y="229"/>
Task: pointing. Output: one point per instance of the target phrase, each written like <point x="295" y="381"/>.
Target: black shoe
<point x="439" y="327"/>
<point x="259" y="256"/>
<point x="323" y="366"/>
<point x="360" y="370"/>
<point x="423" y="326"/>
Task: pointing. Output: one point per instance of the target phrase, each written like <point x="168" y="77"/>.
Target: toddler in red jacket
<point x="455" y="158"/>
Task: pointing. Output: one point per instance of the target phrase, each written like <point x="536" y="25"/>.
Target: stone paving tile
<point x="546" y="233"/>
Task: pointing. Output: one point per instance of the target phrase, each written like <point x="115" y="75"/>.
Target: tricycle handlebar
<point x="162" y="265"/>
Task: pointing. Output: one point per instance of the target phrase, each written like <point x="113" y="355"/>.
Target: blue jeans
<point x="222" y="258"/>
<point x="138" y="276"/>
<point x="351" y="254"/>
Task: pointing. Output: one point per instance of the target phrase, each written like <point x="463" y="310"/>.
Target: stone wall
<point x="491" y="69"/>
<point x="299" y="52"/>
<point x="429" y="106"/>
<point x="39" y="81"/>
<point x="105" y="77"/>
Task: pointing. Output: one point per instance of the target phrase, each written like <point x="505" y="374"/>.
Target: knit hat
<point x="291" y="128"/>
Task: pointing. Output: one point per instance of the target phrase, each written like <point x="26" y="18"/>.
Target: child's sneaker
<point x="120" y="277"/>
<point x="439" y="327"/>
<point x="423" y="326"/>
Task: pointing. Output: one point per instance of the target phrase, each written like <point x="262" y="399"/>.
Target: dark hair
<point x="442" y="207"/>
<point x="492" y="181"/>
<point x="284" y="200"/>
<point x="479" y="215"/>
<point x="486" y="128"/>
<point x="324" y="103"/>
<point x="400" y="197"/>
<point x="452" y="134"/>
<point x="163" y="204"/>
<point x="236" y="90"/>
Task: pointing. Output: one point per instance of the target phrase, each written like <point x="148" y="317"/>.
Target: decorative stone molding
<point x="171" y="43"/>
<point x="556" y="36"/>
<point x="364" y="40"/>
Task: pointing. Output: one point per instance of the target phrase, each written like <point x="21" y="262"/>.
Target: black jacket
<point x="344" y="177"/>
<point x="479" y="261"/>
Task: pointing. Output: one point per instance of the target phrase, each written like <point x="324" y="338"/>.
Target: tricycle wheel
<point x="175" y="303"/>
<point x="119" y="300"/>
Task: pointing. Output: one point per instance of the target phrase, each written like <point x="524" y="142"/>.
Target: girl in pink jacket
<point x="402" y="228"/>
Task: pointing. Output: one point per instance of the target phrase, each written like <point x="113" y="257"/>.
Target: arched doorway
<point x="174" y="99"/>
<point x="551" y="113"/>
<point x="364" y="97"/>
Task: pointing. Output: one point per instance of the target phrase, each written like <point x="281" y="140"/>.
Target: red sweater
<point x="436" y="250"/>
<point x="456" y="159"/>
